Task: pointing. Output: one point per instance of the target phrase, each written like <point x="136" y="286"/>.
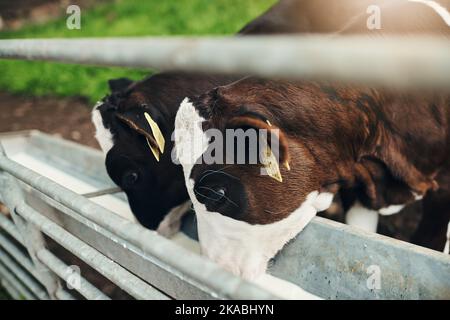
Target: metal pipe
<point x="15" y="283"/>
<point x="21" y="258"/>
<point x="10" y="289"/>
<point x="32" y="238"/>
<point x="103" y="192"/>
<point x="10" y="228"/>
<point x="86" y="289"/>
<point x="108" y="268"/>
<point x="23" y="276"/>
<point x="212" y="279"/>
<point x="395" y="62"/>
<point x="62" y="294"/>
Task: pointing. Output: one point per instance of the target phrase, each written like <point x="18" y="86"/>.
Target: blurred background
<point x="57" y="98"/>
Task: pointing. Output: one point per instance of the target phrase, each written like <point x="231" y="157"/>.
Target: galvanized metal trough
<point x="328" y="259"/>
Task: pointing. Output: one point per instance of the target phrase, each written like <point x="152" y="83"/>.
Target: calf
<point x="387" y="148"/>
<point x="129" y="123"/>
<point x="134" y="160"/>
<point x="153" y="183"/>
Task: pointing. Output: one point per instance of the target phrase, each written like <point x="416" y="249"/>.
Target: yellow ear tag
<point x="156" y="132"/>
<point x="155" y="150"/>
<point x="271" y="164"/>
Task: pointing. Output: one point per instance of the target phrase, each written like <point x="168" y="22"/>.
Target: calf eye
<point x="129" y="179"/>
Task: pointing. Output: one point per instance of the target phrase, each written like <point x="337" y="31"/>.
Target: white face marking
<point x="238" y="246"/>
<point x="103" y="135"/>
<point x="447" y="244"/>
<point x="439" y="9"/>
<point x="417" y="196"/>
<point x="361" y="217"/>
<point x="172" y="221"/>
<point x="392" y="209"/>
<point x="245" y="249"/>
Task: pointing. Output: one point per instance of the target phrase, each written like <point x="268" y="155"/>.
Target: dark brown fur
<point x="160" y="184"/>
<point x="382" y="145"/>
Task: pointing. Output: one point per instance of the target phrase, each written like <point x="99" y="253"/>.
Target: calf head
<point x="133" y="128"/>
<point x="321" y="139"/>
<point x="246" y="212"/>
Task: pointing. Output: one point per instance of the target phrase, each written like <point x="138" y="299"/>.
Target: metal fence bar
<point x="117" y="249"/>
<point x="62" y="294"/>
<point x="10" y="289"/>
<point x="86" y="289"/>
<point x="221" y="284"/>
<point x="15" y="283"/>
<point x="10" y="228"/>
<point x="21" y="258"/>
<point x="108" y="268"/>
<point x="23" y="276"/>
<point x="394" y="62"/>
<point x="32" y="238"/>
<point x="103" y="192"/>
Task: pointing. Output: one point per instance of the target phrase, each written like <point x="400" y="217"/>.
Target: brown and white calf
<point x="388" y="148"/>
<point x="135" y="161"/>
<point x="127" y="120"/>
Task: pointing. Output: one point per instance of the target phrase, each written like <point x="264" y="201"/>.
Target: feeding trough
<point x="68" y="196"/>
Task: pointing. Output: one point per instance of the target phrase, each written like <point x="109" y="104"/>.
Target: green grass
<point x="120" y="18"/>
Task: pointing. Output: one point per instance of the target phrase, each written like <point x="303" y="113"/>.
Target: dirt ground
<point x="67" y="118"/>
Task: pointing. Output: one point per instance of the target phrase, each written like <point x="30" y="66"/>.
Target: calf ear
<point x="120" y="84"/>
<point x="143" y="123"/>
<point x="269" y="159"/>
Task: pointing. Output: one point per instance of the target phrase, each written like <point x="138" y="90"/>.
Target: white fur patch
<point x="245" y="249"/>
<point x="417" y="196"/>
<point x="363" y="218"/>
<point x="392" y="209"/>
<point x="190" y="142"/>
<point x="103" y="135"/>
<point x="439" y="9"/>
<point x="172" y="221"/>
<point x="238" y="246"/>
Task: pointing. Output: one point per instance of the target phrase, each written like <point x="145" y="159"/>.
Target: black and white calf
<point x="134" y="125"/>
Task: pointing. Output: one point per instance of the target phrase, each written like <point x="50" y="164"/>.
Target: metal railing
<point x="396" y="62"/>
<point x="107" y="242"/>
<point x="155" y="252"/>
